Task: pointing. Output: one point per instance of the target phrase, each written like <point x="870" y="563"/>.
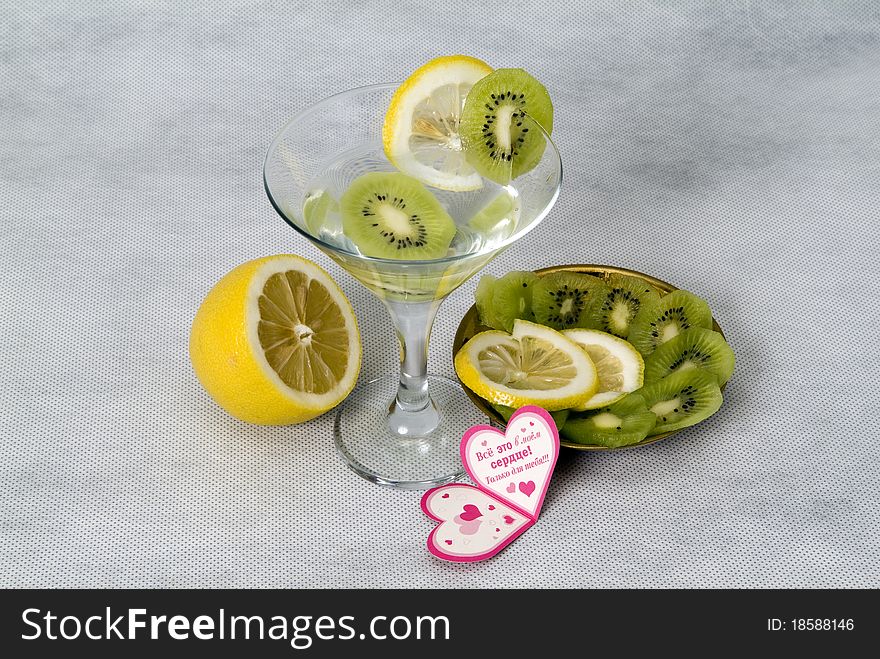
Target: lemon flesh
<point x="276" y="342"/>
<point x="533" y="366"/>
<point x="421" y="130"/>
<point x="619" y="366"/>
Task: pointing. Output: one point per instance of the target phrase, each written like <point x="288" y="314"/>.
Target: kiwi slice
<point x="559" y="416"/>
<point x="316" y="206"/>
<point x="483" y="299"/>
<point x="511" y="299"/>
<point x="498" y="216"/>
<point x="625" y="296"/>
<point x="657" y="323"/>
<point x="391" y="215"/>
<point x="694" y="348"/>
<point x="682" y="399"/>
<point x="501" y="124"/>
<point x="628" y="421"/>
<point x="563" y="300"/>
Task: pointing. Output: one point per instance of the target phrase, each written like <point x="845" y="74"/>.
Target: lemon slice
<point x="620" y="367"/>
<point x="421" y="131"/>
<point x="535" y="365"/>
<point x="276" y="342"/>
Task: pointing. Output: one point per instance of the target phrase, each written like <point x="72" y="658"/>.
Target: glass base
<point x="366" y="442"/>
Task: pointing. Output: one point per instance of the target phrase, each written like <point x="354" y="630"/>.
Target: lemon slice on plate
<point x="620" y="367"/>
<point x="276" y="342"/>
<point x="421" y="131"/>
<point x="535" y="365"/>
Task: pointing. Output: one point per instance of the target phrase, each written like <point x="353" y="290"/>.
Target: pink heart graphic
<point x="460" y="540"/>
<point x="526" y="456"/>
<point x="465" y="527"/>
<point x="484" y="442"/>
<point x="470" y="512"/>
<point x="446" y="496"/>
<point x="491" y="507"/>
<point x="527" y="488"/>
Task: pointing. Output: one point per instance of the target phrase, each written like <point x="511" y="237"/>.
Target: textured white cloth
<point x="732" y="149"/>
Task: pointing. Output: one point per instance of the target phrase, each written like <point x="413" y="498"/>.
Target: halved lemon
<point x="276" y="341"/>
<point x="620" y="367"/>
<point x="535" y="365"/>
<point x="421" y="130"/>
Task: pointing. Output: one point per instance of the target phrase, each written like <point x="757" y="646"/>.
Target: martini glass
<point x="402" y="430"/>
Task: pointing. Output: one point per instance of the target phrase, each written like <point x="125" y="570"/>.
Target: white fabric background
<point x="732" y="149"/>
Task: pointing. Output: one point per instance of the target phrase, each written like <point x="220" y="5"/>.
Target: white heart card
<point x="511" y="471"/>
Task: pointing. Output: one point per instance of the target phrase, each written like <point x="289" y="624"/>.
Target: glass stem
<point x="413" y="414"/>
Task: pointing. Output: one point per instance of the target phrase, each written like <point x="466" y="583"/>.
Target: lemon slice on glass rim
<point x="421" y="130"/>
<point x="535" y="365"/>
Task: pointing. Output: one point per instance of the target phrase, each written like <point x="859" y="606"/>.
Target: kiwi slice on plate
<point x="625" y="296"/>
<point x="511" y="299"/>
<point x="563" y="300"/>
<point x="628" y="421"/>
<point x="682" y="399"/>
<point x="559" y="416"/>
<point x="657" y="323"/>
<point x="391" y="215"/>
<point x="694" y="348"/>
<point x="501" y="124"/>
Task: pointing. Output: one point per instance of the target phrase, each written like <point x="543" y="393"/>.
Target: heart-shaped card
<point x="512" y="472"/>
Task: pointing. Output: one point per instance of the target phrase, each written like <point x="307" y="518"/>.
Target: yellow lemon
<point x="535" y="365"/>
<point x="276" y="341"/>
<point x="421" y="130"/>
<point x="620" y="367"/>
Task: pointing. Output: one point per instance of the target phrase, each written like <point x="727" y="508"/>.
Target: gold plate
<point x="470" y="326"/>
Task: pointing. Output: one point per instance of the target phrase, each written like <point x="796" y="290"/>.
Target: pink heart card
<point x="512" y="472"/>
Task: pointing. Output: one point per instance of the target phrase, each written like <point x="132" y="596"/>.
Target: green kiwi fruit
<point x="682" y="399"/>
<point x="483" y="299"/>
<point x="696" y="347"/>
<point x="316" y="206"/>
<point x="499" y="215"/>
<point x="559" y="416"/>
<point x="657" y="323"/>
<point x="614" y="312"/>
<point x="501" y="124"/>
<point x="391" y="215"/>
<point x="628" y="421"/>
<point x="563" y="300"/>
<point x="511" y="299"/>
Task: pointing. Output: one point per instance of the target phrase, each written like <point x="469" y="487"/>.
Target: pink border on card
<point x="466" y="440"/>
<point x="457" y="558"/>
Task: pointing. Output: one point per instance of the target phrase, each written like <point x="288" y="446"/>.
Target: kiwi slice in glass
<point x="559" y="416"/>
<point x="682" y="399"/>
<point x="696" y="347"/>
<point x="391" y="215"/>
<point x="672" y="314"/>
<point x="512" y="299"/>
<point x="499" y="216"/>
<point x="563" y="300"/>
<point x="501" y="124"/>
<point x="628" y="421"/>
<point x="625" y="296"/>
<point x="483" y="300"/>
